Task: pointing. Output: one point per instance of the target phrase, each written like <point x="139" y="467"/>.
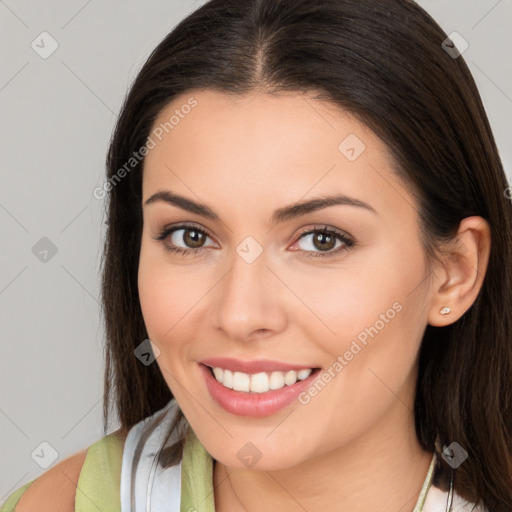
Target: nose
<point x="249" y="302"/>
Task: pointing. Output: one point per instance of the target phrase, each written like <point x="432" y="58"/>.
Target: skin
<point x="244" y="157"/>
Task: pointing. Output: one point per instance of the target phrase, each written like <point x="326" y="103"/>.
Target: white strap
<point x="437" y="501"/>
<point x="145" y="485"/>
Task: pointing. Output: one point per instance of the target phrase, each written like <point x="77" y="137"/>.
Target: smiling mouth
<point x="261" y="382"/>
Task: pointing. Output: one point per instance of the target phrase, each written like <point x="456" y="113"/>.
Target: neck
<point x="383" y="469"/>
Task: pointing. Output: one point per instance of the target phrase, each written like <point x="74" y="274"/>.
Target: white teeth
<point x="218" y="373"/>
<point x="259" y="382"/>
<point x="276" y="380"/>
<point x="227" y="379"/>
<point x="241" y="381"/>
<point x="303" y="374"/>
<point x="290" y="378"/>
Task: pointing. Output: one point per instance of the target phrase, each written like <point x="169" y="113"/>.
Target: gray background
<point x="57" y="115"/>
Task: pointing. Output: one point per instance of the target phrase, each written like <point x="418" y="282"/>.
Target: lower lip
<point x="256" y="405"/>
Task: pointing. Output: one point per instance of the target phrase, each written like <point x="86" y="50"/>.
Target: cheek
<point x="370" y="320"/>
<point x="174" y="303"/>
<point x="165" y="295"/>
<point x="367" y="292"/>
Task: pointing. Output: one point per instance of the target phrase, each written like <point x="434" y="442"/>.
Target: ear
<point x="459" y="278"/>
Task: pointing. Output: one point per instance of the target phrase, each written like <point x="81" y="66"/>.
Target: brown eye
<point x="324" y="241"/>
<point x="183" y="239"/>
<point x="192" y="237"/>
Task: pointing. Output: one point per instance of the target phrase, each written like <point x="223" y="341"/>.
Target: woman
<point x="307" y="217"/>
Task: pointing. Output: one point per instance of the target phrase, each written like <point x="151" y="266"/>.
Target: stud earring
<point x="445" y="311"/>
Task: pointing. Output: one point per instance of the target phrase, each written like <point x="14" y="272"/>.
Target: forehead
<point x="260" y="146"/>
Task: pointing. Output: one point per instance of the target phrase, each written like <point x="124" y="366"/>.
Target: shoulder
<point x="56" y="489"/>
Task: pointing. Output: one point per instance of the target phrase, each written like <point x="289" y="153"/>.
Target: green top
<point x="99" y="481"/>
<point x="100" y="478"/>
<point x="196" y="476"/>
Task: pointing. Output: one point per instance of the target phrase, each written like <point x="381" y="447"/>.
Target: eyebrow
<point x="280" y="215"/>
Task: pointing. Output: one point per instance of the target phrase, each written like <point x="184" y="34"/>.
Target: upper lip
<point x="254" y="366"/>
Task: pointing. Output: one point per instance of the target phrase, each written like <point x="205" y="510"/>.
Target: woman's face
<point x="262" y="286"/>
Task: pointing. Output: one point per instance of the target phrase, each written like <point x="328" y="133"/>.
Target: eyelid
<point x="306" y="230"/>
<point x="169" y="228"/>
<point x="348" y="240"/>
<point x="323" y="227"/>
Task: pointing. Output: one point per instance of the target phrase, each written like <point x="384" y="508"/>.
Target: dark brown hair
<point x="382" y="61"/>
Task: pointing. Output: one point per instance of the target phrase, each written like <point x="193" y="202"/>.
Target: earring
<point x="445" y="311"/>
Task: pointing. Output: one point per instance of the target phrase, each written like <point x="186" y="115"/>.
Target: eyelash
<point x="348" y="242"/>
